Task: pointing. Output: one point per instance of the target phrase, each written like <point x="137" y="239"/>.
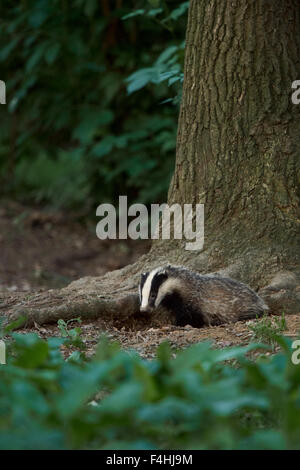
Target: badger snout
<point x="146" y="309"/>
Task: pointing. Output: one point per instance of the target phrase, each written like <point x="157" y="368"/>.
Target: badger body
<point x="198" y="300"/>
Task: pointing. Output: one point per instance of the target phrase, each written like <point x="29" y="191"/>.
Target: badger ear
<point x="144" y="275"/>
<point x="163" y="274"/>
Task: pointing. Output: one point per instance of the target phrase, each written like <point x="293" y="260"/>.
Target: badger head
<point x="154" y="287"/>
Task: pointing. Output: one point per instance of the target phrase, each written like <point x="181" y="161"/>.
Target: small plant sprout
<point x="266" y="329"/>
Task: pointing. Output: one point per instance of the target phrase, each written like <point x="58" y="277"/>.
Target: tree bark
<point x="238" y="152"/>
<point x="238" y="148"/>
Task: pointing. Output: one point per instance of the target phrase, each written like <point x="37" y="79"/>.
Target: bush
<point x="203" y="398"/>
<point x="85" y="88"/>
<point x="266" y="329"/>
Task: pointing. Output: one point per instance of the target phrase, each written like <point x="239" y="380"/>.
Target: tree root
<point x="114" y="296"/>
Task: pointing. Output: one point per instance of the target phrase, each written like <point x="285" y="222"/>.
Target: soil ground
<point x="41" y="250"/>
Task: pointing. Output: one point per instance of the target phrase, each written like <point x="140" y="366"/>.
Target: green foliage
<point x="73" y="335"/>
<point x="266" y="329"/>
<point x="70" y="134"/>
<point x="166" y="68"/>
<point x="62" y="180"/>
<point x="118" y="400"/>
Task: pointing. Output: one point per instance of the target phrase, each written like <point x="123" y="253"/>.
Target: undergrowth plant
<point x="118" y="400"/>
<point x="267" y="328"/>
<point x="73" y="335"/>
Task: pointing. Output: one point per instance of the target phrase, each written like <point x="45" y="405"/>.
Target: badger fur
<point x="198" y="300"/>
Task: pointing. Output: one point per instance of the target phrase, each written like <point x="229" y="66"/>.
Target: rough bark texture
<point x="238" y="146"/>
<point x="238" y="152"/>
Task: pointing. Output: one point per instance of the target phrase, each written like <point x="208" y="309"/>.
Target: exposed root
<point x="114" y="296"/>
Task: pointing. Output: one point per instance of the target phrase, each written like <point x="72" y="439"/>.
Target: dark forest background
<point x="93" y="91"/>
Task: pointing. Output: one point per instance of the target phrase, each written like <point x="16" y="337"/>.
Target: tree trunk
<point x="238" y="148"/>
<point x="238" y="152"/>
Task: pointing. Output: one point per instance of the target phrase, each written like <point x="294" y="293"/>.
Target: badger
<point x="198" y="300"/>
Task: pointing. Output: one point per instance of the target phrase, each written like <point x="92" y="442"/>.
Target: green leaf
<point x="14" y="325"/>
<point x="32" y="351"/>
<point x="35" y="58"/>
<point x="7" y="50"/>
<point x="52" y="53"/>
<point x="123" y="400"/>
<point x="37" y="17"/>
<point x="133" y="14"/>
<point x="102" y="148"/>
<point x="166" y="54"/>
<point x="79" y="386"/>
<point x="177" y="12"/>
<point x="141" y="78"/>
<point x="154" y="12"/>
<point x="91" y="123"/>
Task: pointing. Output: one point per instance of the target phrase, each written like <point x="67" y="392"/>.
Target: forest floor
<point x="42" y="250"/>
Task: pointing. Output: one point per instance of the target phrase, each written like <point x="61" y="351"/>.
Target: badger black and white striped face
<point x="151" y="289"/>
